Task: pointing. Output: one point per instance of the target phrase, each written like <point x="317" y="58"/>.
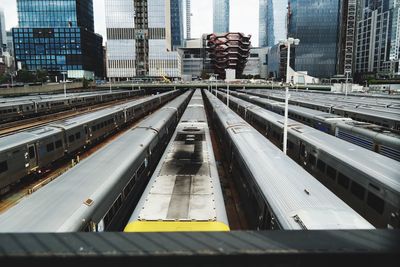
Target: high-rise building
<point x="140" y="39"/>
<point x="177" y="23"/>
<point x="3" y="36"/>
<point x="378" y="40"/>
<point x="272" y="22"/>
<point x="188" y="20"/>
<point x="220" y="16"/>
<point x="317" y="24"/>
<point x="58" y="36"/>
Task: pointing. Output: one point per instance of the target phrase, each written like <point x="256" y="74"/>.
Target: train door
<point x="302" y="153"/>
<point x="87" y="134"/>
<point x="32" y="157"/>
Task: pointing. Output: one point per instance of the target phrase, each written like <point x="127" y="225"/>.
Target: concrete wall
<point x="47" y="88"/>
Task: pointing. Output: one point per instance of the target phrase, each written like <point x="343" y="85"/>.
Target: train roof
<point x="27" y="136"/>
<point x="298" y="199"/>
<point x="380" y="168"/>
<point x="55" y="207"/>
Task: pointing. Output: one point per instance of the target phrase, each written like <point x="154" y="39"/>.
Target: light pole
<point x="65" y="85"/>
<point x="109" y="80"/>
<point x="227" y="98"/>
<point x="347" y="77"/>
<point x="288" y="42"/>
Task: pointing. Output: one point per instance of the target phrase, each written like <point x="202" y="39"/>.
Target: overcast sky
<point x="243" y="17"/>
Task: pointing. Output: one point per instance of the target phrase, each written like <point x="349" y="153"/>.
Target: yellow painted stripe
<point x="160" y="226"/>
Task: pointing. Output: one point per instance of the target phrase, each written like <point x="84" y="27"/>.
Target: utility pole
<point x="286" y="120"/>
<point x="65" y="86"/>
<point x="227" y="98"/>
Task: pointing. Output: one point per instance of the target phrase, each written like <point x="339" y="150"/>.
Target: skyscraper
<point x="378" y="39"/>
<point x="188" y="20"/>
<point x="3" y="36"/>
<point x="140" y="38"/>
<point x="177" y="23"/>
<point x="272" y="21"/>
<point x="58" y="36"/>
<point x="317" y="24"/>
<point x="220" y="16"/>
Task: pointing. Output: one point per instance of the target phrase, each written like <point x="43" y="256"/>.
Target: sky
<point x="243" y="17"/>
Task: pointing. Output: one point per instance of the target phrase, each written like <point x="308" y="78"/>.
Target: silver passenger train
<point x="184" y="193"/>
<point x="367" y="135"/>
<point x="33" y="150"/>
<point x="96" y="195"/>
<point x="355" y="111"/>
<point x="366" y="181"/>
<point x="280" y="194"/>
<point x="23" y="107"/>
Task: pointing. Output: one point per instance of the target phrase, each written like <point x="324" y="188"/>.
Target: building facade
<point x="58" y="36"/>
<point x="272" y="22"/>
<point x="3" y="36"/>
<point x="220" y="16"/>
<point x="140" y="39"/>
<point x="378" y="40"/>
<point x="177" y="13"/>
<point x="188" y="20"/>
<point x="317" y="24"/>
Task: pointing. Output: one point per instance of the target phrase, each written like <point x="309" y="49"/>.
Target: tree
<point x="85" y="83"/>
<point x="25" y="76"/>
<point x="41" y="75"/>
<point x="204" y="75"/>
<point x="5" y="78"/>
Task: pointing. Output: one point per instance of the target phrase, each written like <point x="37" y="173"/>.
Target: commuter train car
<point x="366" y="181"/>
<point x="184" y="193"/>
<point x="280" y="194"/>
<point x="352" y="110"/>
<point x="33" y="150"/>
<point x="364" y="134"/>
<point x="35" y="106"/>
<point x="97" y="193"/>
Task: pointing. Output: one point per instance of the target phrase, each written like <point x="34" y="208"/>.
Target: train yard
<point x="196" y="164"/>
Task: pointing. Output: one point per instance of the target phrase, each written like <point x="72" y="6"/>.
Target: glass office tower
<point x="177" y="23"/>
<point x="221" y="16"/>
<point x="140" y="38"/>
<point x="272" y="22"/>
<point x="316" y="24"/>
<point x="58" y="36"/>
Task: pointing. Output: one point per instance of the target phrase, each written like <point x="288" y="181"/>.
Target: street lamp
<point x="65" y="85"/>
<point x="287" y="42"/>
<point x="347" y="77"/>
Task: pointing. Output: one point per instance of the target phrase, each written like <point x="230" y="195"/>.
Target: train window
<point x="58" y="144"/>
<point x="321" y="165"/>
<point x="303" y="150"/>
<point x="50" y="147"/>
<point x="71" y="138"/>
<point x="290" y="145"/>
<point x="311" y="159"/>
<point x="343" y="180"/>
<point x="93" y="128"/>
<point x="357" y="190"/>
<point x="374" y="186"/>
<point x="375" y="202"/>
<point x="3" y="166"/>
<point x="141" y="169"/>
<point x="78" y="135"/>
<point x="331" y="172"/>
<point x="31" y="152"/>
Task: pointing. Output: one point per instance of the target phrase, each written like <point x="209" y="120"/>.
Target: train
<point x="370" y="136"/>
<point x="32" y="106"/>
<point x="358" y="112"/>
<point x="184" y="193"/>
<point x="366" y="181"/>
<point x="97" y="194"/>
<point x="278" y="193"/>
<point x="33" y="150"/>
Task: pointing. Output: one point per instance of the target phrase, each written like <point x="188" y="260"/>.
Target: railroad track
<point x="15" y="126"/>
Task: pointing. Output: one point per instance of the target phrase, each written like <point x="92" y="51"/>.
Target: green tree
<point x="25" y="76"/>
<point x="41" y="75"/>
<point x="4" y="78"/>
<point x="85" y="83"/>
